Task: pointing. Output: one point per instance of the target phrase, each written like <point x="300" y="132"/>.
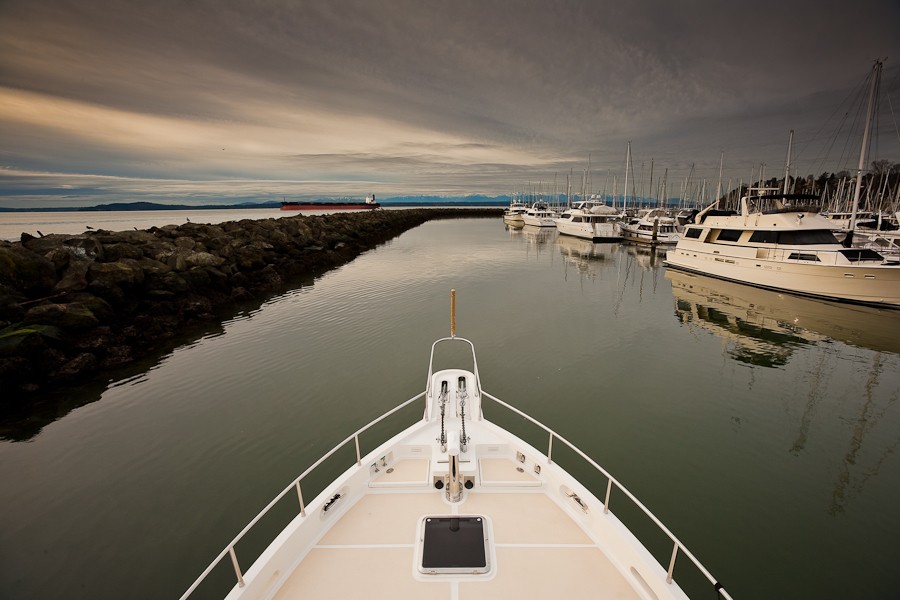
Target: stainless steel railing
<point x="678" y="546"/>
<point x="230" y="548"/>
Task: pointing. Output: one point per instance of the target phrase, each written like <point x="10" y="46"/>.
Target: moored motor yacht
<point x="593" y="221"/>
<point x="455" y="506"/>
<point x="540" y="215"/>
<point x="514" y="215"/>
<point x="652" y="227"/>
<point x="777" y="242"/>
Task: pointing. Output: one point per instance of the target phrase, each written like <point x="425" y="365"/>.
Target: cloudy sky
<point x="232" y="100"/>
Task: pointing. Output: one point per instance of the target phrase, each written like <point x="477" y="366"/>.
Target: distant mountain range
<point x="397" y="201"/>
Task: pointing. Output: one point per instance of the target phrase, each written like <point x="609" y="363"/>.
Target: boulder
<point x="26" y="271"/>
<point x="78" y="367"/>
<point x="114" y="252"/>
<point x="203" y="259"/>
<point x="121" y="272"/>
<point x="26" y="340"/>
<point x="80" y="246"/>
<point x="64" y="316"/>
<point x="74" y="277"/>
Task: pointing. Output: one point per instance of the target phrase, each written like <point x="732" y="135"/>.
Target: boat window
<point x="692" y="232"/>
<point x="803" y="256"/>
<point x="800" y="238"/>
<point x="859" y="254"/>
<point x="729" y="235"/>
<point x="764" y="236"/>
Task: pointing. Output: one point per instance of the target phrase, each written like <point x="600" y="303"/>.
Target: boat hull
<point x="632" y="234"/>
<point x="596" y="232"/>
<point x="876" y="285"/>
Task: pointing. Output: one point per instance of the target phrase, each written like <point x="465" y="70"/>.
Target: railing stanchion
<point x="358" y="457"/>
<point x="300" y="497"/>
<point x="550" y="449"/>
<point x="237" y="568"/>
<point x="672" y="564"/>
<point x="608" y="493"/>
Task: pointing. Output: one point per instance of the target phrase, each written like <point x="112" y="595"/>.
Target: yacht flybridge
<point x="457" y="507"/>
<point x="778" y="243"/>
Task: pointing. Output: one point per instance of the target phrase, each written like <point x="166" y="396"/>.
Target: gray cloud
<point x="423" y="98"/>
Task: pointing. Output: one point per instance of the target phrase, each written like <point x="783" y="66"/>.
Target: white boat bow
<point x="455" y="506"/>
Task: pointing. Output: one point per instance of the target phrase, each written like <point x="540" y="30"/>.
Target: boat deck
<point x="539" y="551"/>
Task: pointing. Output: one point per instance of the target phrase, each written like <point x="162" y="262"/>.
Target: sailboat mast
<point x="876" y="73"/>
<point x="787" y="162"/>
<point x="627" y="161"/>
<point x="719" y="186"/>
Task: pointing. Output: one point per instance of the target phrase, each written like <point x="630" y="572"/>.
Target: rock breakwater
<point x="74" y="307"/>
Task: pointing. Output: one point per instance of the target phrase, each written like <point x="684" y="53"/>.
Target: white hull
<point x="596" y="232"/>
<point x="875" y="284"/>
<point x="539" y="221"/>
<point x="633" y="234"/>
<point x="644" y="238"/>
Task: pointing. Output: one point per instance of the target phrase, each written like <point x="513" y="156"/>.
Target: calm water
<point x="760" y="428"/>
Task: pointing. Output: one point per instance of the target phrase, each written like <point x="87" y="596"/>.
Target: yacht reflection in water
<point x="763" y="327"/>
<point x="586" y="256"/>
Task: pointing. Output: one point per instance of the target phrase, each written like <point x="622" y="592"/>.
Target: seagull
<point x="88" y="227"/>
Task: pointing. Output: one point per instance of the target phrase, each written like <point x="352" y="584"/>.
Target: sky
<point x="201" y="101"/>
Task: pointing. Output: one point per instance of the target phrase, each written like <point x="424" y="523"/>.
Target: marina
<point x="672" y="365"/>
<point x="782" y="465"/>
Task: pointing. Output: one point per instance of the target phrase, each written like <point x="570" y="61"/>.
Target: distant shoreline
<point x="143" y="206"/>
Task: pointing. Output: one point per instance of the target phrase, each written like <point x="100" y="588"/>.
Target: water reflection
<point x="647" y="257"/>
<point x="764" y="328"/>
<point x="20" y="422"/>
<point x="538" y="235"/>
<point x="588" y="258"/>
<point x="867" y="419"/>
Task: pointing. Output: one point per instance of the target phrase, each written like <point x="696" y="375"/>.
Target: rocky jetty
<point x="78" y="307"/>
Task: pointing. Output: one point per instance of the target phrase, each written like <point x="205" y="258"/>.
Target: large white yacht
<point x="540" y="215"/>
<point x="651" y="227"/>
<point x="591" y="220"/>
<point x="776" y="242"/>
<point x="456" y="507"/>
<point x="514" y="215"/>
